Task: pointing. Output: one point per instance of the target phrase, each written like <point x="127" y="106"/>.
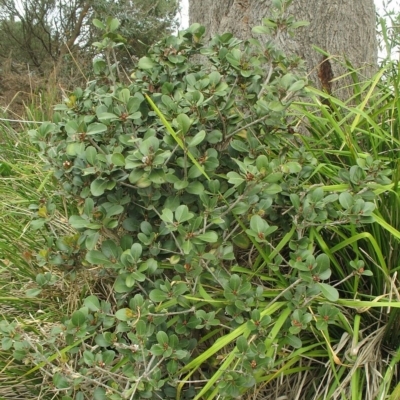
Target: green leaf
<point x="98" y="187"/>
<point x="294" y="341"/>
<point x="167" y="216"/>
<point x="179" y="289"/>
<point x="74" y="149"/>
<point x="291" y="168"/>
<point x="235" y="282"/>
<point x="158" y="295"/>
<point x="118" y="159"/>
<point x="357" y="174"/>
<point x="91" y="154"/>
<point x="162" y="337"/>
<point x="180" y="185"/>
<point x="124" y="95"/>
<point x="92" y="303"/>
<point x="346" y="200"/>
<point x="106" y="116"/>
<point x="96" y="257"/>
<point x="323" y="262"/>
<point x="136" y="251"/>
<point x="272" y="189"/>
<point x="195" y="188"/>
<point x="261" y="29"/>
<point x="295" y="87"/>
<point x="37" y="291"/>
<point x="124" y="314"/>
<point x="295" y="199"/>
<point x="197" y="139"/>
<point x="172" y="367"/>
<point x="78" y="222"/>
<point x="7" y="343"/>
<point x="209" y="237"/>
<point x="113" y="24"/>
<point x="91" y="240"/>
<point x="276" y="106"/>
<point x="262" y="163"/>
<point x="136" y="175"/>
<point x="299" y="24"/>
<point x="96" y="128"/>
<point x="71" y="127"/>
<point x="108" y="356"/>
<point x="157" y="176"/>
<point x="141" y="328"/>
<point x="104" y="340"/>
<point x="274" y="177"/>
<point x="115" y="209"/>
<point x="98" y="24"/>
<point x="120" y="285"/>
<point x="78" y="318"/>
<point x="240" y="146"/>
<point x="257" y="224"/>
<point x="240" y="208"/>
<point x="215" y="77"/>
<point x="149" y="145"/>
<point x="182" y="214"/>
<point x="184" y="123"/>
<point x="328" y="291"/>
<point x="146" y="63"/>
<point x="109" y="249"/>
<point x="60" y="382"/>
<point x="235" y="178"/>
<point x="241" y="344"/>
<point x="88" y="358"/>
<point x="157" y="350"/>
<point x="99" y="394"/>
<point x="317" y="195"/>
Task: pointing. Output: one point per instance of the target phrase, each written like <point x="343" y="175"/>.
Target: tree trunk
<point x="343" y="28"/>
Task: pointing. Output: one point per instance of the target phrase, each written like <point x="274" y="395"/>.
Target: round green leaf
<point x="346" y="200"/>
<point x="98" y="186"/>
<point x="92" y="303"/>
<point x="162" y="338"/>
<point x="78" y="318"/>
<point x="146" y="63"/>
<point x="241" y="344"/>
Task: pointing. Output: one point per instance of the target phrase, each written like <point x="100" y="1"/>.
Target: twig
<point x="173" y="312"/>
<point x="247" y="126"/>
<point x="94" y="144"/>
<point x="266" y="80"/>
<point x="23" y="121"/>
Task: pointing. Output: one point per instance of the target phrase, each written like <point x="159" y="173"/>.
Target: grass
<point x="23" y="184"/>
<point x="340" y="136"/>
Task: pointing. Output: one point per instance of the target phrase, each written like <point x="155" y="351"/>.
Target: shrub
<point x="198" y="203"/>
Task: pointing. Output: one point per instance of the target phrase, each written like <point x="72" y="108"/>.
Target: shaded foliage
<point x="44" y="33"/>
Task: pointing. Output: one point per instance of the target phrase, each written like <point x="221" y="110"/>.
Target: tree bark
<point x="343" y="28"/>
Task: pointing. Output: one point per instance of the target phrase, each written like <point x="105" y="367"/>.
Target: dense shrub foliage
<point x="196" y="199"/>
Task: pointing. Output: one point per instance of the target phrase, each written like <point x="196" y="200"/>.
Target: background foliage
<point x="40" y="33"/>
